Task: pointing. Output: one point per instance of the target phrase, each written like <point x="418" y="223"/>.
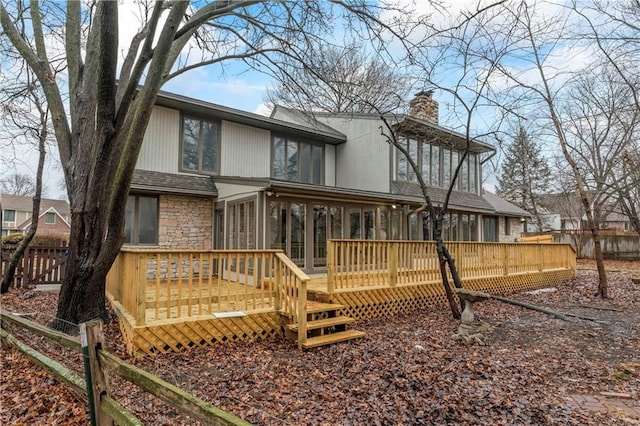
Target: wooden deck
<point x="169" y="300"/>
<point x="173" y="299"/>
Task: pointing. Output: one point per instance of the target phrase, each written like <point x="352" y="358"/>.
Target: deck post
<point x="393" y="264"/>
<point x="505" y="258"/>
<point x="277" y="269"/>
<point x="141" y="288"/>
<point x="302" y="313"/>
<point x="331" y="267"/>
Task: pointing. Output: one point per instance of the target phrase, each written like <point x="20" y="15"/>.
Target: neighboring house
<point x="564" y="212"/>
<point x="54" y="217"/>
<point x="209" y="176"/>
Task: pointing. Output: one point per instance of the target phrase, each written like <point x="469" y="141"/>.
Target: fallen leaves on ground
<point x="406" y="371"/>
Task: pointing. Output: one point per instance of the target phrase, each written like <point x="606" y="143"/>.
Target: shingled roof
<point x="504" y="207"/>
<point x="170" y="183"/>
<point x="459" y="199"/>
<point x="15" y="202"/>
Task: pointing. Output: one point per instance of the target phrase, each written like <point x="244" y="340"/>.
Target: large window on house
<point x="200" y="145"/>
<point x="8" y="215"/>
<point x="141" y="220"/>
<point x="437" y="165"/>
<point x="297" y="161"/>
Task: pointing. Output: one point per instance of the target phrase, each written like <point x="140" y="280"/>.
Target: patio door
<point x="287" y="229"/>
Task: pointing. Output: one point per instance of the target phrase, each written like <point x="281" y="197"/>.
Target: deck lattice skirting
<point x="172" y="300"/>
<point x="180" y="334"/>
<point x="384" y="302"/>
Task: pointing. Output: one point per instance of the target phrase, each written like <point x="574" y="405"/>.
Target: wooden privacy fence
<point x="39" y="265"/>
<point x="545" y="238"/>
<point x="366" y="263"/>
<point x="103" y="409"/>
<point x="158" y="285"/>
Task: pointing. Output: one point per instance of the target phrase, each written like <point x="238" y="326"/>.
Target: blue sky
<point x="235" y="86"/>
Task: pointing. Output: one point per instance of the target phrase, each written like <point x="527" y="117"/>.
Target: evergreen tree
<point x="524" y="175"/>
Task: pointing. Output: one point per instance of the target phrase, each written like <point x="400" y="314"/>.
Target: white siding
<point x="161" y="147"/>
<point x="363" y="161"/>
<point x="245" y="151"/>
<point x="232" y="191"/>
<point x="330" y="165"/>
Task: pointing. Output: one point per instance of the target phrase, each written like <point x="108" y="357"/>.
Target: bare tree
<point x="627" y="186"/>
<point x="602" y="123"/>
<point x="100" y="136"/>
<point x="340" y="79"/>
<point x="435" y="62"/>
<point x="18" y="184"/>
<point x="533" y="32"/>
<point x="26" y="117"/>
<point x="613" y="27"/>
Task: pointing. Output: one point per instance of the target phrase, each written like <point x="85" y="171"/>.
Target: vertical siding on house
<point x="161" y="147"/>
<point x="245" y="151"/>
<point x="363" y="161"/>
<point x="233" y="191"/>
<point x="330" y="165"/>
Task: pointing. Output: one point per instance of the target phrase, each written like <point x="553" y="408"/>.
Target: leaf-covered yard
<point x="535" y="369"/>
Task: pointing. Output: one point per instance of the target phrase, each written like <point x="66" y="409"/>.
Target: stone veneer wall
<point x="185" y="222"/>
<point x="515" y="227"/>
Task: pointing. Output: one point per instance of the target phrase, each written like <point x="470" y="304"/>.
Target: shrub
<point x="50" y="240"/>
<point x="12" y="238"/>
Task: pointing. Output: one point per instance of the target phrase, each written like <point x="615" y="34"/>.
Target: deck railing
<point x="368" y="263"/>
<point x="157" y="285"/>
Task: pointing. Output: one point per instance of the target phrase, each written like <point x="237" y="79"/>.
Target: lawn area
<point x="535" y="369"/>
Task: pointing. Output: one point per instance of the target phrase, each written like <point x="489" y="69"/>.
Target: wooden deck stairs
<point x="324" y="326"/>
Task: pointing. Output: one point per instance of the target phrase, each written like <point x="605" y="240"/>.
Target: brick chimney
<point x="423" y="107"/>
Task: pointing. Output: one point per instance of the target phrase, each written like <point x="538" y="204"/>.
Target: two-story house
<point x="209" y="176"/>
<point x="54" y="217"/>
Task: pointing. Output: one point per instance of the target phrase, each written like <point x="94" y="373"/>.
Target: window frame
<point x="201" y="119"/>
<point x="50" y="214"/>
<point x="288" y="140"/>
<point x="434" y="173"/>
<point x="136" y="223"/>
<point x="4" y="215"/>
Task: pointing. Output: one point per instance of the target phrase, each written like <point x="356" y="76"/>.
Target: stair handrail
<point x="299" y="292"/>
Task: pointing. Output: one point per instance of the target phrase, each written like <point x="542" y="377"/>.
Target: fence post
<point x="331" y="267"/>
<point x="97" y="387"/>
<point x="393" y="263"/>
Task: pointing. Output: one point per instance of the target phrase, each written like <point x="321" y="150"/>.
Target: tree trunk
<point x="443" y="259"/>
<point x="82" y="295"/>
<point x="9" y="274"/>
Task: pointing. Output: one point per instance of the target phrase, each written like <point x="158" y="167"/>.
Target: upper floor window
<point x="50" y="218"/>
<point x="297" y="161"/>
<point x="437" y="165"/>
<point x="200" y="145"/>
<point x="8" y="215"/>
